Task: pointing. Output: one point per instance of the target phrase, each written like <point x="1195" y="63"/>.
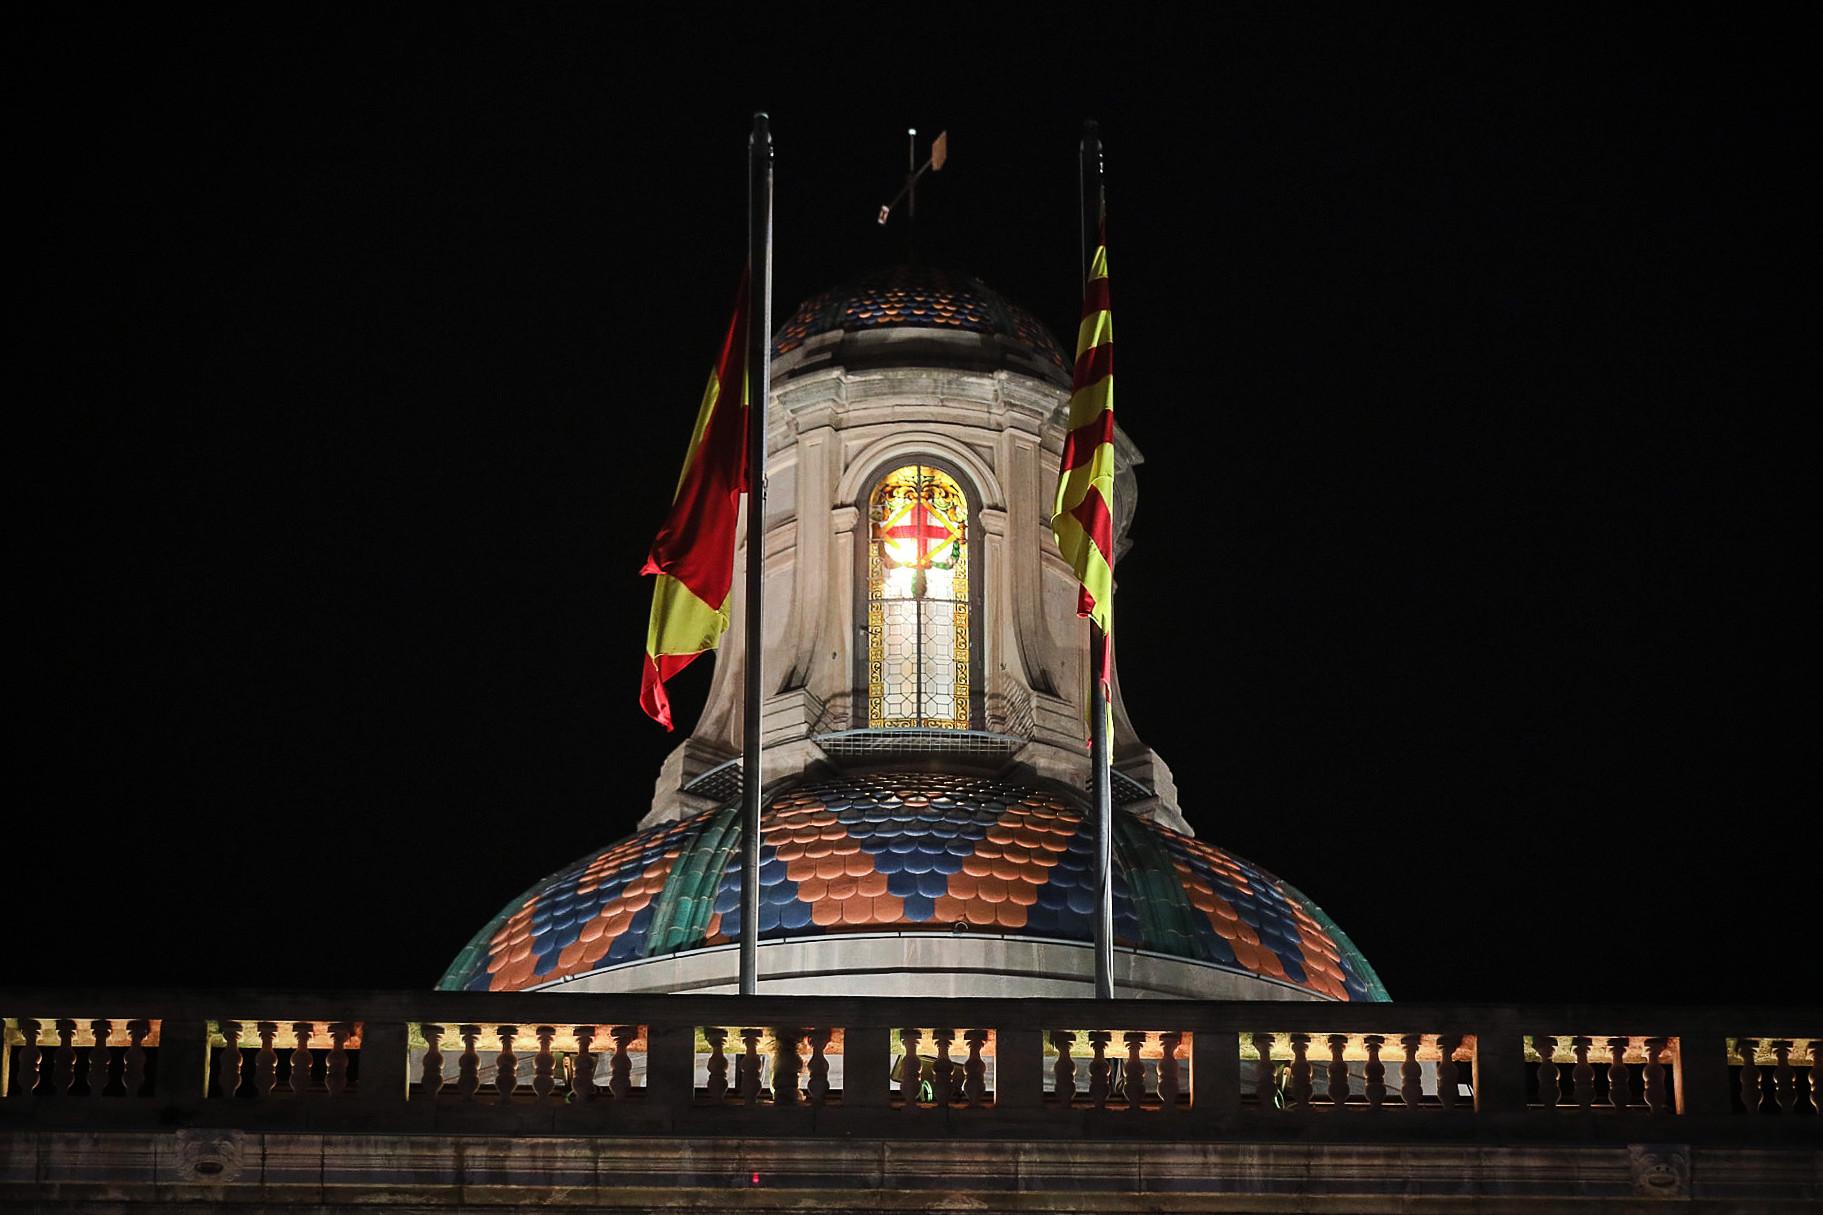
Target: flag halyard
<point x="693" y="553"/>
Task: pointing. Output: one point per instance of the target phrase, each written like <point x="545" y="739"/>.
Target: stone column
<point x="1499" y="1065"/>
<point x="1215" y="1077"/>
<point x="671" y="1068"/>
<point x="183" y="1053"/>
<point x="845" y="635"/>
<point x="1018" y="1069"/>
<point x="384" y="1059"/>
<point x="866" y="1066"/>
<point x="1701" y="1063"/>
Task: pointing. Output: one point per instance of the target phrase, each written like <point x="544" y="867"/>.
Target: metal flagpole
<point x="1104" y="829"/>
<point x="911" y="196"/>
<point x="1094" y="207"/>
<point x="759" y="377"/>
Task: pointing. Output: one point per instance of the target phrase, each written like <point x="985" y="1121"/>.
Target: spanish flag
<point x="1082" y="518"/>
<point x="693" y="556"/>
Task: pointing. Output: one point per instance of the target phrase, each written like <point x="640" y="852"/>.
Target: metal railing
<point x="871" y="743"/>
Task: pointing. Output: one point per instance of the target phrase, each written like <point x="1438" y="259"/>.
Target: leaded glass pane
<point x="917" y="602"/>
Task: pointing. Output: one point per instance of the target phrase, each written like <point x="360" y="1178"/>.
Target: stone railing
<point x="428" y="1062"/>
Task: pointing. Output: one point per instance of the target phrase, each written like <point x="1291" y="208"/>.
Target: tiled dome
<point x="917" y="297"/>
<point x="907" y="852"/>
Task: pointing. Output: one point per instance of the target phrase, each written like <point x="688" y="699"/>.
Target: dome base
<point x="929" y="964"/>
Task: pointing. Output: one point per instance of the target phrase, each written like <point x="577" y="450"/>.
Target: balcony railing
<point x="903" y="1068"/>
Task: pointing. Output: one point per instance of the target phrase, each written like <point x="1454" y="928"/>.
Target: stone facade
<point x="400" y="1101"/>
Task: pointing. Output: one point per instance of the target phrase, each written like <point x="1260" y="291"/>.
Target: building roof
<point x="905" y="851"/>
<point x="918" y="297"/>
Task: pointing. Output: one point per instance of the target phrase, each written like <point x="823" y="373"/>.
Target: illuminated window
<point x="918" y="602"/>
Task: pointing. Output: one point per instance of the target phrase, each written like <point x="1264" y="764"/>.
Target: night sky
<point x="359" y="354"/>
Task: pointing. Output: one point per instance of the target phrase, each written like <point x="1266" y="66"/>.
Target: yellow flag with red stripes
<point x="693" y="554"/>
<point x="1082" y="518"/>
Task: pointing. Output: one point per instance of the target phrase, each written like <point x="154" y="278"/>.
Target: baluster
<point x="974" y="1071"/>
<point x="786" y="1064"/>
<point x="750" y="1066"/>
<point x="1785" y="1083"/>
<point x="1168" y="1087"/>
<point x="1655" y="1075"/>
<point x="335" y="1068"/>
<point x="468" y="1063"/>
<point x="266" y="1063"/>
<point x="1750" y="1073"/>
<point x="300" y="1057"/>
<point x="506" y="1065"/>
<point x="544" y="1065"/>
<point x="431" y="1079"/>
<point x="943" y="1071"/>
<point x="1263" y="1084"/>
<point x="1375" y="1072"/>
<point x="1098" y="1068"/>
<point x="1549" y="1093"/>
<point x="582" y="1067"/>
<point x="717" y="1087"/>
<point x="1338" y="1070"/>
<point x="99" y="1057"/>
<point x="1063" y="1072"/>
<point x="1133" y="1077"/>
<point x="1448" y="1073"/>
<point x="229" y="1081"/>
<point x="1582" y="1073"/>
<point x="1618" y="1095"/>
<point x="1300" y="1072"/>
<point x="818" y="1086"/>
<point x="29" y="1057"/>
<point x="910" y="1072"/>
<point x="1411" y="1075"/>
<point x="133" y="1075"/>
<point x="65" y="1076"/>
<point x="620" y="1064"/>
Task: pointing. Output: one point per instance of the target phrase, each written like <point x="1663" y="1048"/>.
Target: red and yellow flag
<point x="1082" y="518"/>
<point x="693" y="555"/>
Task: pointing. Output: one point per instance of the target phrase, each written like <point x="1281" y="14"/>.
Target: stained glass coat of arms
<point x="918" y="602"/>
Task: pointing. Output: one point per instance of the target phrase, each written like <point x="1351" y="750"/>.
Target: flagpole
<point x="1094" y="208"/>
<point x="759" y="378"/>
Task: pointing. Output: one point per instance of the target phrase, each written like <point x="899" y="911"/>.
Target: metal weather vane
<point x="908" y="193"/>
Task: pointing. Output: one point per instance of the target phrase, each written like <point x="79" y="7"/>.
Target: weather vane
<point x="939" y="152"/>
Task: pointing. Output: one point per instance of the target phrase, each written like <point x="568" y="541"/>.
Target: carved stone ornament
<point x="208" y="1157"/>
<point x="1660" y="1170"/>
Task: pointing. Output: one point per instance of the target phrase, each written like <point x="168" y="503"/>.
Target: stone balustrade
<point x="910" y="1068"/>
<point x="246" y="1059"/>
<point x="93" y="1057"/>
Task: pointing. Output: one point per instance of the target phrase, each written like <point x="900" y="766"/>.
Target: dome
<point x="913" y="854"/>
<point x="917" y="297"/>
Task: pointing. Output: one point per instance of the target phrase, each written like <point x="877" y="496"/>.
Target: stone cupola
<point x="925" y="827"/>
<point x="917" y="607"/>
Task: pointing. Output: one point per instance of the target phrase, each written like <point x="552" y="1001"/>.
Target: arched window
<point x="918" y="649"/>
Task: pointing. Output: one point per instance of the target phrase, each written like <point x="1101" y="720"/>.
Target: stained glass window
<point x="918" y="602"/>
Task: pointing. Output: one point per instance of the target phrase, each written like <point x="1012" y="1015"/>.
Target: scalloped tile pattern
<point x="933" y="852"/>
<point x="593" y="914"/>
<point x="917" y="297"/>
<point x="922" y="851"/>
<point x="1260" y="926"/>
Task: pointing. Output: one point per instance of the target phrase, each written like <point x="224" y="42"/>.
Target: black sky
<point x="1470" y="593"/>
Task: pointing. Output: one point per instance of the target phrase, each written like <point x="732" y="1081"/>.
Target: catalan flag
<point x="1082" y="518"/>
<point x="693" y="555"/>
